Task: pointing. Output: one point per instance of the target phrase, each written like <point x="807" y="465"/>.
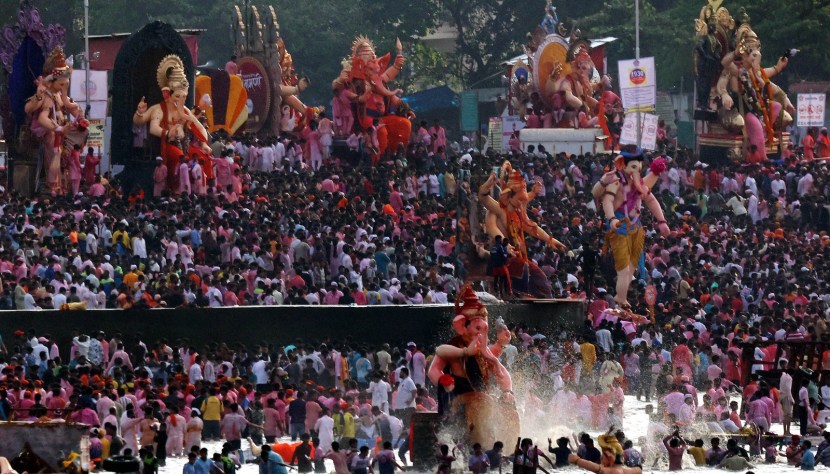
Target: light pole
<point x="636" y="29"/>
<point x="636" y="62"/>
<point x="86" y="57"/>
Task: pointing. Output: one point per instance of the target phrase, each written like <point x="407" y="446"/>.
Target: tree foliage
<point x="666" y="35"/>
<point x="489" y="32"/>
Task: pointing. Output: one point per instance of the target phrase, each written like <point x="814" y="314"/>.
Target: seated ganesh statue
<point x="362" y="100"/>
<point x="471" y="376"/>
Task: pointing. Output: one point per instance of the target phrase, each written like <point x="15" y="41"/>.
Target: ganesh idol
<point x="622" y="193"/>
<point x="171" y="121"/>
<point x="477" y="376"/>
<point x="57" y="121"/>
<point x="750" y="100"/>
<point x="360" y="91"/>
<point x="294" y="112"/>
<point x="508" y="217"/>
<point x="575" y="91"/>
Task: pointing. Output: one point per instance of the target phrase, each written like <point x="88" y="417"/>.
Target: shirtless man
<point x="609" y="464"/>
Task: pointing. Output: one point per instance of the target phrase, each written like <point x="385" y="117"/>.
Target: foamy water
<point x="635" y="425"/>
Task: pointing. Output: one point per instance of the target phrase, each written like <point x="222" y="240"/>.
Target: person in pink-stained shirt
<point x="85" y="415"/>
<point x="73" y="166"/>
<point x="184" y="176"/>
<point x="231" y="67"/>
<point x="91" y="163"/>
<point x="97" y="189"/>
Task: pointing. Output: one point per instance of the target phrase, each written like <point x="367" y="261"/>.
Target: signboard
<point x="469" y="111"/>
<point x="96" y="134"/>
<point x="494" y="134"/>
<point x="97" y="85"/>
<point x="638" y="83"/>
<point x="256" y="83"/>
<point x="509" y="124"/>
<point x="811" y="110"/>
<point x="648" y="130"/>
<point x="97" y="91"/>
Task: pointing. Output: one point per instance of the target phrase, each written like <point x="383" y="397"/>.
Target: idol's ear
<point x="458" y="324"/>
<point x="619" y="162"/>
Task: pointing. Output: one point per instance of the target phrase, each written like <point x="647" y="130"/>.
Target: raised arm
<point x="484" y="195"/>
<point x="584" y="464"/>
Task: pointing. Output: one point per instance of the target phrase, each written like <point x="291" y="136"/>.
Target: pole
<point x="636" y="29"/>
<point x="86" y="57"/>
<point x="247" y="27"/>
<point x="637" y="62"/>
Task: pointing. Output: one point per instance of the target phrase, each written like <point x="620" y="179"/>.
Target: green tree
<point x="489" y="32"/>
<point x="429" y="68"/>
<point x="801" y="24"/>
<point x="667" y="35"/>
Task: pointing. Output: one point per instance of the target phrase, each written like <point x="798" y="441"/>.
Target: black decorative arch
<point x="134" y="77"/>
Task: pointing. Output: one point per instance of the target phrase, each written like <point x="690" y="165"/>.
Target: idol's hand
<point x="142" y="106"/>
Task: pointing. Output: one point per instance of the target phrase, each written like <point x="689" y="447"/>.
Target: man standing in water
<point x="609" y="464"/>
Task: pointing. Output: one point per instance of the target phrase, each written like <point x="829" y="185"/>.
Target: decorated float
<point x="267" y="72"/>
<point x="738" y="106"/>
<point x="41" y="122"/>
<point x="364" y="102"/>
<point x="475" y="391"/>
<point x="559" y="82"/>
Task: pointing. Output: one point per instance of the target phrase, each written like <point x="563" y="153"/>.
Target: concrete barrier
<point x="282" y="325"/>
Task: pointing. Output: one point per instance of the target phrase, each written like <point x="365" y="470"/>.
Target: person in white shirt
<point x="259" y="368"/>
<point x="750" y="183"/>
<point x="91" y="299"/>
<point x="418" y="366"/>
<point x="604" y="340"/>
<point x="59" y="298"/>
<point x="214" y="297"/>
<point x="279" y="154"/>
<point x="736" y="204"/>
<point x="674" y="181"/>
<point x="380" y="390"/>
<point x="385" y="295"/>
<point x="805" y="184"/>
<point x="405" y="400"/>
<point x="752" y="206"/>
<point x="778" y="184"/>
<point x="438" y="296"/>
<point x="433" y="185"/>
<point x="82" y="344"/>
<point x="139" y="247"/>
<point x="266" y="159"/>
<point x="195" y="373"/>
<point x="728" y="425"/>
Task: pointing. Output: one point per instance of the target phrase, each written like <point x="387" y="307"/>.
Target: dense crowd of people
<point x="387" y="234"/>
<point x="740" y="281"/>
<point x="351" y="401"/>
